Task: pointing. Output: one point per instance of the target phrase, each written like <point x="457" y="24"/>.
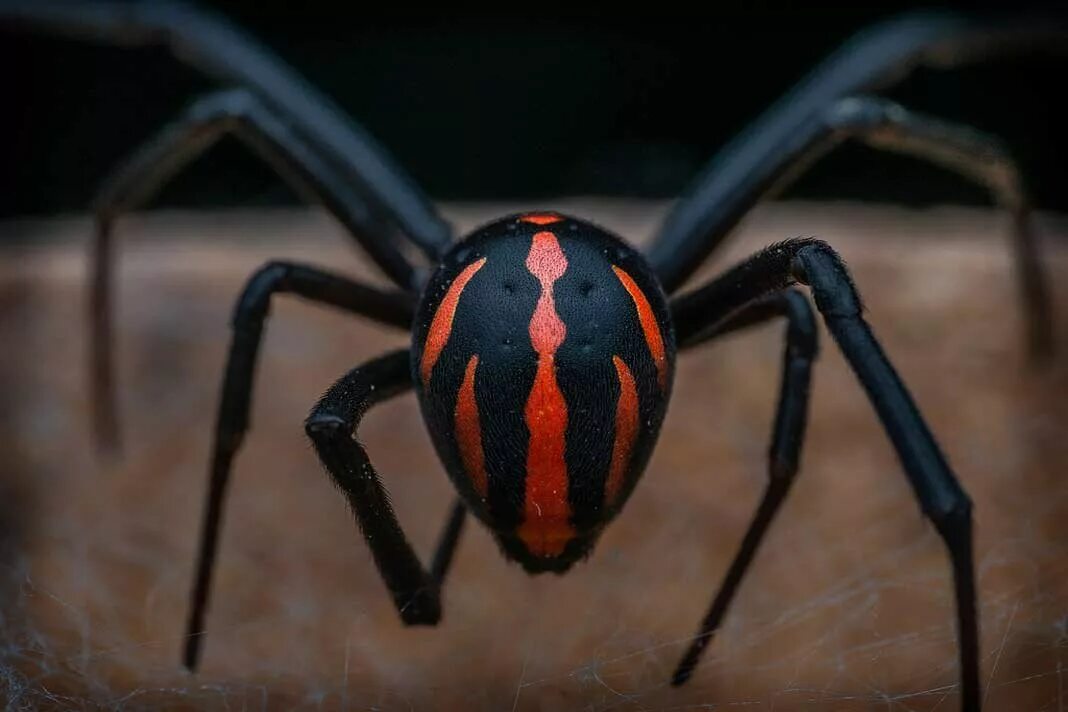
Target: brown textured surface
<point x="846" y="608"/>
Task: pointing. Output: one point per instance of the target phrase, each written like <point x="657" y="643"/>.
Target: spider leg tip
<point x="681" y="676"/>
<point x="191" y="654"/>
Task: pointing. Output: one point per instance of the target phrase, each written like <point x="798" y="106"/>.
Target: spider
<point x="543" y="347"/>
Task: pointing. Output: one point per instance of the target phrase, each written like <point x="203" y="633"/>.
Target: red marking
<point x="649" y="325"/>
<point x="469" y="430"/>
<point x="541" y="219"/>
<point x="546" y="526"/>
<point x="626" y="429"/>
<point x="441" y="325"/>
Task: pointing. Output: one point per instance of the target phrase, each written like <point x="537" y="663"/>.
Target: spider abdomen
<point x="543" y="355"/>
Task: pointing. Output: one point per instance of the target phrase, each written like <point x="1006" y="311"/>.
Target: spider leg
<point x="241" y="113"/>
<point x="447" y="541"/>
<point x="941" y="497"/>
<point x="976" y="156"/>
<point x="233" y="416"/>
<point x="743" y="170"/>
<point x="885" y="125"/>
<point x="158" y="160"/>
<point x="332" y="427"/>
<point x="210" y="44"/>
<point x="789" y="430"/>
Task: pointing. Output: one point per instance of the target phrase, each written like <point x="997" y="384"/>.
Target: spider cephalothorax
<point x="543" y="358"/>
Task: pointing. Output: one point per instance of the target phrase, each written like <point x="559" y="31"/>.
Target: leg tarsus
<point x="1033" y="281"/>
<point x="955" y="528"/>
<point x="450" y="536"/>
<point x="106" y="431"/>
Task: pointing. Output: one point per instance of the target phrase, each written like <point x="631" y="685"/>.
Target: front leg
<point x="332" y="428"/>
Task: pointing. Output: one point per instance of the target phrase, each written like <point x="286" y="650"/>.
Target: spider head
<point x="543" y="358"/>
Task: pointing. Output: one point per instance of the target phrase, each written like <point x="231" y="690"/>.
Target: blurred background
<point x="487" y="105"/>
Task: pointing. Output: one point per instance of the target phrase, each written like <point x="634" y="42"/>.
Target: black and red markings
<point x="543" y="361"/>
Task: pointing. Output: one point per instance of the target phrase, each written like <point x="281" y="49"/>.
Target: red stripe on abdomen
<point x="541" y="218"/>
<point x="441" y="324"/>
<point x="650" y="327"/>
<point x="469" y="430"/>
<point x="546" y="526"/>
<point x="626" y="429"/>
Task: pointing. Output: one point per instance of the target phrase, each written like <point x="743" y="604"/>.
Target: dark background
<point x="478" y="105"/>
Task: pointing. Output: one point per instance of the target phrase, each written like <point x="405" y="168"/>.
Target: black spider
<point x="551" y="313"/>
